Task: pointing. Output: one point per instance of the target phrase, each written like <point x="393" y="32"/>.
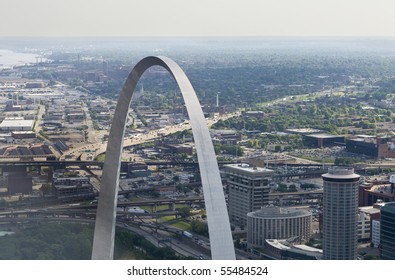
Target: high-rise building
<point x="248" y="190"/>
<point x="340" y="213"/>
<point x="387" y="232"/>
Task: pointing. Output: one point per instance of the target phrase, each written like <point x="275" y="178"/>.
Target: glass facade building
<point x="340" y="213"/>
<point x="387" y="232"/>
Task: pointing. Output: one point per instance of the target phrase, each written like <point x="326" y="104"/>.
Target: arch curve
<point x="221" y="242"/>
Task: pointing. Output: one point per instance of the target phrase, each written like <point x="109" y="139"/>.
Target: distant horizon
<point x="193" y="36"/>
<point x="203" y="18"/>
<point x="187" y="44"/>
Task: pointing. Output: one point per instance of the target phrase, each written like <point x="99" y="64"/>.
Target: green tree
<point x="277" y="148"/>
<point x="184" y="212"/>
<point x="199" y="227"/>
<point x="292" y="188"/>
<point x="282" y="187"/>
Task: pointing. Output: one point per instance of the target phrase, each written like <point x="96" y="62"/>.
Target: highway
<point x="93" y="150"/>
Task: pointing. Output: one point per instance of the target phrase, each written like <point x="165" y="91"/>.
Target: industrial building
<point x="16" y="124"/>
<point x="27" y="152"/>
<point x="248" y="190"/>
<point x="23" y="134"/>
<point x="16" y="180"/>
<point x="71" y="186"/>
<point x="19" y="184"/>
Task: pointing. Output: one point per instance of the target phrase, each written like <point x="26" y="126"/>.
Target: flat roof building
<point x="284" y="250"/>
<point x="378" y="147"/>
<point x="16" y="124"/>
<point x="248" y="190"/>
<point x="323" y="140"/>
<point x="278" y="223"/>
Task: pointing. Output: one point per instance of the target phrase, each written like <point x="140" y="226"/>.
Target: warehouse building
<point x="16" y="124"/>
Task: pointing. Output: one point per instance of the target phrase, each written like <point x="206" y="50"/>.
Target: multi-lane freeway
<point x="93" y="150"/>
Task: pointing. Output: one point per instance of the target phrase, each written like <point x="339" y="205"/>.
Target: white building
<point x="16" y="124"/>
<point x="248" y="190"/>
<point x="365" y="217"/>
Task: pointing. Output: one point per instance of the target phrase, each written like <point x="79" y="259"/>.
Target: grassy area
<point x="165" y="219"/>
<point x="316" y="159"/>
<point x="101" y="157"/>
<point x="181" y="225"/>
<point x="160" y="207"/>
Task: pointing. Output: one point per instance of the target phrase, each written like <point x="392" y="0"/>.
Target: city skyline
<point x="272" y="96"/>
<point x="198" y="18"/>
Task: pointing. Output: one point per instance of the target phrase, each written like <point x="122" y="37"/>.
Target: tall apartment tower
<point x="248" y="190"/>
<point x="340" y="213"/>
<point x="387" y="231"/>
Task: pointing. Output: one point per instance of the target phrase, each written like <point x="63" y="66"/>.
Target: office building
<point x="375" y="146"/>
<point x="387" y="232"/>
<point x="340" y="213"/>
<point x="322" y="140"/>
<point x="366" y="216"/>
<point x="248" y="190"/>
<point x="278" y="223"/>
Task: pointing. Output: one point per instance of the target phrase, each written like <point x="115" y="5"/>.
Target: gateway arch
<point x="221" y="242"/>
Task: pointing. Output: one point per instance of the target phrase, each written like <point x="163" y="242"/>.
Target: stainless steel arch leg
<point x="217" y="214"/>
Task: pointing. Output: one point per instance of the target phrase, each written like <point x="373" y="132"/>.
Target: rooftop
<point x="340" y="172"/>
<point x="382" y="188"/>
<point x="17" y="122"/>
<point x="304" y="130"/>
<point x="324" y="135"/>
<point x="279" y="212"/>
<point x="248" y="168"/>
<point x="369" y="210"/>
<point x="389" y="206"/>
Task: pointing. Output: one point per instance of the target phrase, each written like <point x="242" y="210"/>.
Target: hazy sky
<point x="197" y="18"/>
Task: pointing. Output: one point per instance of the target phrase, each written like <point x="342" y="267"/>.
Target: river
<point x="9" y="59"/>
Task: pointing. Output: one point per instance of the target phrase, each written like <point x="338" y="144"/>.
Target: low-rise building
<point x="69" y="185"/>
<point x="16" y="124"/>
<point x="374" y="146"/>
<point x="323" y="140"/>
<point x="285" y="250"/>
<point x="369" y="194"/>
<point x="366" y="215"/>
<point x="23" y="134"/>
